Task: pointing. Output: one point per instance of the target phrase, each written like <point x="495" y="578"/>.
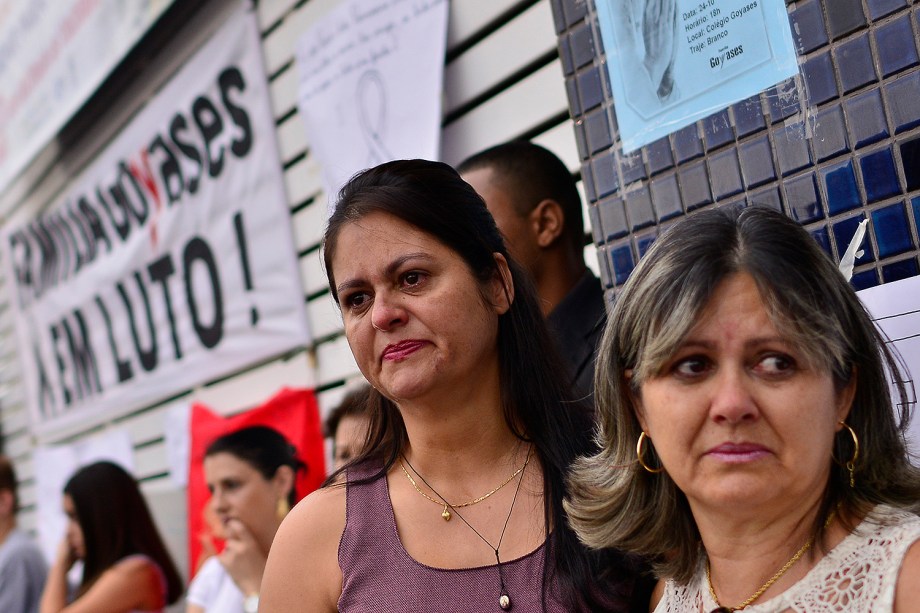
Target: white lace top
<point x="859" y="574"/>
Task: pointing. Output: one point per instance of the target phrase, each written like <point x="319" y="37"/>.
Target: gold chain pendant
<point x="445" y="513"/>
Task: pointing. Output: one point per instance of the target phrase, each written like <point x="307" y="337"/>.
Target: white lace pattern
<point x="859" y="574"/>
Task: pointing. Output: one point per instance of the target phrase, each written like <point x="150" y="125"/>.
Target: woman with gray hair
<point x="749" y="445"/>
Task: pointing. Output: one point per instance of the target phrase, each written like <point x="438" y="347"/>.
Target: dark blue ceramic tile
<point x="910" y="162"/>
<point x="808" y="26"/>
<point x="597" y="129"/>
<point x="581" y="139"/>
<point x="783" y="100"/>
<point x="687" y="144"/>
<point x="915" y="205"/>
<point x="558" y="15"/>
<point x="843" y="234"/>
<point x="879" y="176"/>
<point x="902" y="95"/>
<point x="892" y="230"/>
<point x="621" y="260"/>
<point x="880" y="8"/>
<point x="659" y="155"/>
<point x="597" y="226"/>
<point x="767" y="197"/>
<point x="725" y="174"/>
<point x="840" y="186"/>
<point x="844" y="17"/>
<point x="694" y="186"/>
<point x="644" y="241"/>
<point x="830" y="133"/>
<point x="900" y="270"/>
<point x="631" y="167"/>
<point x="864" y="280"/>
<point x="565" y="56"/>
<point x="590" y="90"/>
<point x="820" y="83"/>
<point x="613" y="218"/>
<point x="757" y="162"/>
<point x="571" y="91"/>
<point x="639" y="208"/>
<point x="748" y="116"/>
<point x="605" y="174"/>
<point x="791" y="148"/>
<point x="587" y="180"/>
<point x="802" y="199"/>
<point x="855" y="63"/>
<point x="823" y="240"/>
<point x="666" y="197"/>
<point x="896" y="47"/>
<point x="866" y="117"/>
<point x="581" y="41"/>
<point x="603" y="266"/>
<point x="575" y="11"/>
<point x="717" y="129"/>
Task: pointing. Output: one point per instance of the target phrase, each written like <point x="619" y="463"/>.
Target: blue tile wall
<point x="837" y="143"/>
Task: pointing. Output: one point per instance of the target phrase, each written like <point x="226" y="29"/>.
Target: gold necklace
<point x="445" y="513"/>
<point x="504" y="599"/>
<point x="763" y="588"/>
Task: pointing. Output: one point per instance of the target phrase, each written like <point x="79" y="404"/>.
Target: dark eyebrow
<point x="390" y="270"/>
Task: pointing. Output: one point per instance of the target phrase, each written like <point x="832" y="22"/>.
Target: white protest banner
<point x="370" y="84"/>
<point x="53" y="56"/>
<point x="169" y="261"/>
<point x="895" y="308"/>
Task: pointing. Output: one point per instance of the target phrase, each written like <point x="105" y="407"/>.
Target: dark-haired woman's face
<point x="74" y="532"/>
<point x="417" y="321"/>
<point x="239" y="491"/>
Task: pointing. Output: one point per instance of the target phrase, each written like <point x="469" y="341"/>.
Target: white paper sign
<point x="895" y="307"/>
<point x="170" y="260"/>
<point x="53" y="56"/>
<point x="54" y="466"/>
<point x="370" y="84"/>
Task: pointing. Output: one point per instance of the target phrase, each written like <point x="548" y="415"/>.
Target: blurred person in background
<point x="536" y="205"/>
<point x="126" y="566"/>
<point x="250" y="474"/>
<point x="347" y="425"/>
<point x="22" y="567"/>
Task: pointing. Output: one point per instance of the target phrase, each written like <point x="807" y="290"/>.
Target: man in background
<point x="22" y="567"/>
<point x="533" y="198"/>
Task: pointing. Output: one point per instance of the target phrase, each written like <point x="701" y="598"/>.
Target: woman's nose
<point x="386" y="312"/>
<point x="732" y="401"/>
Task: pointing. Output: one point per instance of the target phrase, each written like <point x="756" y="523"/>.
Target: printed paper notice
<point x="672" y="62"/>
<point x="370" y="84"/>
<point x="895" y="307"/>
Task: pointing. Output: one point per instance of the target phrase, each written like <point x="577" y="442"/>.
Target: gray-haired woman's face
<point x="738" y="417"/>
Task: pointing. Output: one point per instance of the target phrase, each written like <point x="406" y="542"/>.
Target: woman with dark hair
<point x="750" y="446"/>
<point x="126" y="566"/>
<point x="250" y="474"/>
<point x="455" y="503"/>
<point x="347" y="424"/>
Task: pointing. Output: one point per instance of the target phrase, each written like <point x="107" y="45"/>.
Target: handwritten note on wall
<point x="895" y="307"/>
<point x="371" y="74"/>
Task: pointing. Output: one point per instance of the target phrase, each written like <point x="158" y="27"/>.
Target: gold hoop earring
<point x="284" y="507"/>
<point x="642" y="438"/>
<point x="851" y="463"/>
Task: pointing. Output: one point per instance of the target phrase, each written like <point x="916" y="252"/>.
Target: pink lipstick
<point x="738" y="453"/>
<point x="397" y="352"/>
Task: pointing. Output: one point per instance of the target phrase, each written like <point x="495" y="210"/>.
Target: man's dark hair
<point x="8" y="479"/>
<point x="529" y="174"/>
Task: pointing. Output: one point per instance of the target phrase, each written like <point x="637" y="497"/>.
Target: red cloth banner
<point x="292" y="412"/>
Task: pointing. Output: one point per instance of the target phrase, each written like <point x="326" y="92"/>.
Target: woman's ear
<point x="502" y="285"/>
<point x="845" y="396"/>
<point x="283" y="480"/>
<point x="635" y="397"/>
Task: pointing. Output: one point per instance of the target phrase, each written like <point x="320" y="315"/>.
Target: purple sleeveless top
<point x="379" y="575"/>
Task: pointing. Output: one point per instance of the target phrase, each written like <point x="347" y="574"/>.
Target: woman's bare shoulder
<point x="315" y="525"/>
<point x="907" y="593"/>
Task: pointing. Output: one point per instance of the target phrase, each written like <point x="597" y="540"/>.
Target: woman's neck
<point x="744" y="553"/>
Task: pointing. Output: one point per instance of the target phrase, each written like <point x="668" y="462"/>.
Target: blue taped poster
<point x="672" y="62"/>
